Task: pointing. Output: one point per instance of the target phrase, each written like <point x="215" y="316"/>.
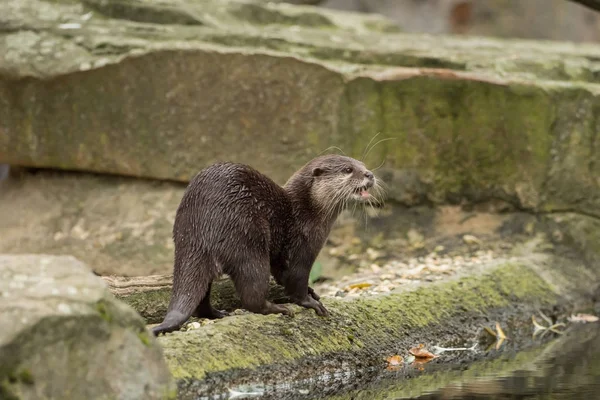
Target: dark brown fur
<point x="234" y="220"/>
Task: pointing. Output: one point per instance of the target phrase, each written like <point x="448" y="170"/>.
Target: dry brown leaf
<point x="395" y="360"/>
<point x="583" y="318"/>
<point x="421" y="352"/>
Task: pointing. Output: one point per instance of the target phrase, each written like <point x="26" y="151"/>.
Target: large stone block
<point x="160" y="90"/>
<point x="65" y="336"/>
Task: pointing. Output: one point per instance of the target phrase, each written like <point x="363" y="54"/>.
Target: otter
<point x="234" y="220"/>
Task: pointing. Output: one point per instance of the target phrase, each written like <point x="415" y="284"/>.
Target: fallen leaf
<point x="539" y="328"/>
<point x="499" y="343"/>
<point x="363" y="285"/>
<point x="490" y="331"/>
<point x="500" y="332"/>
<point x="583" y="318"/>
<point x="421" y="352"/>
<point x="395" y="360"/>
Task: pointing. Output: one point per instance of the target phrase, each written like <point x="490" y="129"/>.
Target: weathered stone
<point x="65" y="336"/>
<point x="84" y="87"/>
<point x="116" y="225"/>
<point x="255" y="348"/>
<point x="150" y="295"/>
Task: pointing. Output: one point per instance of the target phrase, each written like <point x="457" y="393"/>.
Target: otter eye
<point x="348" y="170"/>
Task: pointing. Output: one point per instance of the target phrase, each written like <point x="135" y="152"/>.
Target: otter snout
<point x="370" y="179"/>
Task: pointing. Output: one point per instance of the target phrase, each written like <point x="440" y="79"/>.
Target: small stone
<point x="415" y="239"/>
<point x="557" y="235"/>
<point x="192" y="326"/>
<point x="438" y="249"/>
<point x="529" y="228"/>
<point x="471" y="240"/>
<point x="373" y="254"/>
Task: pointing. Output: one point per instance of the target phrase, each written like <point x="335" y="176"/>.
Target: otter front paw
<point x="310" y="302"/>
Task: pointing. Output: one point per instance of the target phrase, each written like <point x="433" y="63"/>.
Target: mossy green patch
<point x="144" y="338"/>
<point x="459" y="131"/>
<point x="371" y="322"/>
<point x="26" y="377"/>
<point x="151" y="305"/>
<point x="263" y="15"/>
<point x="103" y="310"/>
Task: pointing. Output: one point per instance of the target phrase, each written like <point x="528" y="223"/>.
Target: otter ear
<point x="317" y="171"/>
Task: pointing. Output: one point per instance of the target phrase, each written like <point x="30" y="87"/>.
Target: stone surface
<point x="161" y="89"/>
<point x="361" y="331"/>
<point x="531" y="19"/>
<point x="65" y="336"/>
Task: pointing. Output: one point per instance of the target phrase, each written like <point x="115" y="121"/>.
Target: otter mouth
<point x="361" y="193"/>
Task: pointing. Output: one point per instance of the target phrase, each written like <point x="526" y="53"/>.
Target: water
<point x="565" y="367"/>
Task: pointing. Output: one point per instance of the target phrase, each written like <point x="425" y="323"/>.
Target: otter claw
<point x="312" y="293"/>
<point x="310" y="302"/>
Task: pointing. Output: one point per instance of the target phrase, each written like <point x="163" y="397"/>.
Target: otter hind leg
<point x="206" y="310"/>
<point x="252" y="285"/>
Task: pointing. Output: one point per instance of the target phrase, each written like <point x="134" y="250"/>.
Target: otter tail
<point x="189" y="289"/>
<point x="172" y="322"/>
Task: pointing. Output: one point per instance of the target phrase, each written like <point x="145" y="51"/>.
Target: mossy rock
<point x="65" y="336"/>
<point x="360" y="331"/>
<point x="273" y="85"/>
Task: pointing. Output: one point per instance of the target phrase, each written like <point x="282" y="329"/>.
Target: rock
<point x="471" y="240"/>
<point x="65" y="336"/>
<point x="158" y="89"/>
<point x="532" y="19"/>
<point x="250" y="349"/>
<point x="415" y="239"/>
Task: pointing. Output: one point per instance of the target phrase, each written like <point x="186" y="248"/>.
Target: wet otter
<point x="233" y="219"/>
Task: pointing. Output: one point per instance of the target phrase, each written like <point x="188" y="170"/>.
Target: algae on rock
<point x="275" y="84"/>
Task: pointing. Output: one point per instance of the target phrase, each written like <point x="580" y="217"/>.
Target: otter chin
<point x="234" y="220"/>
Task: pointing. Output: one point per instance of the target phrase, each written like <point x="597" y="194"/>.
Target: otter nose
<point x="369" y="175"/>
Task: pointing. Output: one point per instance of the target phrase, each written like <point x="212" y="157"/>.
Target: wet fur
<point x="234" y="220"/>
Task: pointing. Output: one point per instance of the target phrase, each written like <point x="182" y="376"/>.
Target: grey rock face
<point x="64" y="336"/>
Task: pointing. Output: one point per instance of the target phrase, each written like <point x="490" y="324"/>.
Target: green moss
<point x="144" y="338"/>
<point x="26" y="377"/>
<point x="10" y="380"/>
<point x="151" y="305"/>
<point x="6" y="391"/>
<point x="287" y="331"/>
<point x="448" y="127"/>
<point x="264" y="15"/>
<point x="381" y="321"/>
<point x="102" y="308"/>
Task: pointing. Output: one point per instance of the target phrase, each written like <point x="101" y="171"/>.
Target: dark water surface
<point x="565" y="367"/>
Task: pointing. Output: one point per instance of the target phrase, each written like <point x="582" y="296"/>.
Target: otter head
<point x="336" y="181"/>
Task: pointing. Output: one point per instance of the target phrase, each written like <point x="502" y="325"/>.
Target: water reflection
<point x="568" y="368"/>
